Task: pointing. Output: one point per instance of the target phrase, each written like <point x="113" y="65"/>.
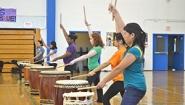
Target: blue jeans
<point x="132" y="96"/>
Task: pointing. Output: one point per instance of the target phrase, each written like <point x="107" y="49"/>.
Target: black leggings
<point x="53" y="64"/>
<point x="39" y="62"/>
<point x="96" y="79"/>
<point x="115" y="88"/>
<point x="70" y="68"/>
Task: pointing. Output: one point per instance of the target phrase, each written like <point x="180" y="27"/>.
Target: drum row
<point x="55" y="87"/>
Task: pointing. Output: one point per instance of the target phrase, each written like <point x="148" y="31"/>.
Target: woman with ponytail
<point x="131" y="64"/>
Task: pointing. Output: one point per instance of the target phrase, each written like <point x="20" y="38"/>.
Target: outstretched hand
<point x="100" y="85"/>
<point x="112" y="8"/>
<point x="55" y="59"/>
<point x="91" y="73"/>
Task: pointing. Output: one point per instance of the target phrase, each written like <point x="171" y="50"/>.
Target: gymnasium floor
<point x="164" y="88"/>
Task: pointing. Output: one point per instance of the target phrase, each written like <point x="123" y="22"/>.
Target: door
<point x="178" y="53"/>
<point x="160" y="52"/>
<point x="75" y="32"/>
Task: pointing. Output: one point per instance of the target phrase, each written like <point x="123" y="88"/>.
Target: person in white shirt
<point x="52" y="54"/>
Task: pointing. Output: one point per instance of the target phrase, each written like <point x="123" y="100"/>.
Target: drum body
<point x="26" y="74"/>
<point x="78" y="98"/>
<point x="27" y="71"/>
<point x="67" y="86"/>
<point x="47" y="82"/>
<point x="34" y="77"/>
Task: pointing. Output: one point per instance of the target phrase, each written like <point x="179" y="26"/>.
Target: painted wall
<point x="27" y="11"/>
<point x="83" y="38"/>
<point x="83" y="42"/>
<point x="152" y="15"/>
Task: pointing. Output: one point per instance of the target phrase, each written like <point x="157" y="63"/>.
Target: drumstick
<point x="87" y="88"/>
<point x="63" y="65"/>
<point x="60" y="18"/>
<point x="115" y="6"/>
<point x="115" y="3"/>
<point x="79" y="76"/>
<point x="84" y="13"/>
<point x="110" y="9"/>
<point x="37" y="61"/>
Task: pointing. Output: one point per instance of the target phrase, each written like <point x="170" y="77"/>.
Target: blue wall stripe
<point x="50" y="21"/>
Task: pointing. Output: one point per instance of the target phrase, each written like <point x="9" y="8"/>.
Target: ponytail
<point x="140" y="35"/>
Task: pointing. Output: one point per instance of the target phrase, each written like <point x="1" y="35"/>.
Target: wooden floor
<point x="163" y="88"/>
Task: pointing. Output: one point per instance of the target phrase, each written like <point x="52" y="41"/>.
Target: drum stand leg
<point x="20" y="73"/>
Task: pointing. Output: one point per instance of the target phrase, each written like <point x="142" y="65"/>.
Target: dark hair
<point x="73" y="36"/>
<point x="118" y="36"/>
<point x="140" y="35"/>
<point x="97" y="40"/>
<point x="40" y="41"/>
<point x="54" y="45"/>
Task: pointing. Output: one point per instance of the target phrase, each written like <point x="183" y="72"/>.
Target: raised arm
<point x="64" y="31"/>
<point x="118" y="19"/>
<point x="45" y="44"/>
<point x="117" y="29"/>
<point x="35" y="40"/>
<point x="89" y="28"/>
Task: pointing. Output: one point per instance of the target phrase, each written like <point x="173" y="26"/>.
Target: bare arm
<point x="86" y="56"/>
<point x="64" y="31"/>
<point x="117" y="30"/>
<point x="67" y="54"/>
<point x="35" y="40"/>
<point x="102" y="66"/>
<point x="127" y="61"/>
<point x="83" y="57"/>
<point x="45" y="44"/>
<point x="38" y="55"/>
<point x="118" y="18"/>
<point x="89" y="28"/>
<point x="48" y="55"/>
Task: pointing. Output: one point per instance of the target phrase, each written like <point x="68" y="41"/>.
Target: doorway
<point x="168" y="51"/>
<point x="83" y="47"/>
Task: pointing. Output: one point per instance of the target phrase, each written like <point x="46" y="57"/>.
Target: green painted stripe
<point x="32" y="100"/>
<point x="30" y="96"/>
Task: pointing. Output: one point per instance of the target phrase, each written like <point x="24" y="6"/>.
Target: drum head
<point x="55" y="72"/>
<point x="71" y="82"/>
<point x="23" y="64"/>
<point x="42" y="67"/>
<point x="78" y="94"/>
<point x="32" y="65"/>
